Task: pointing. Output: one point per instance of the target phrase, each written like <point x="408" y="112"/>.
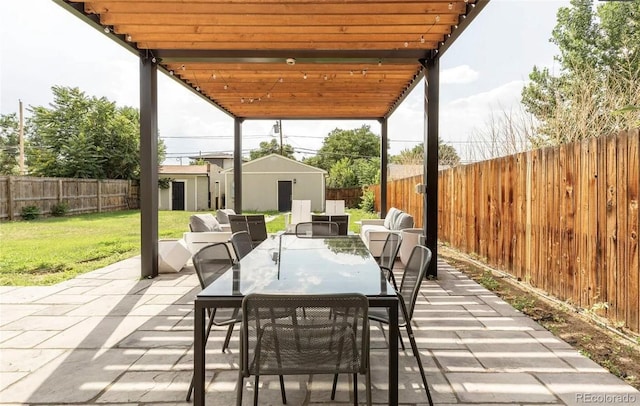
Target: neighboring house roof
<point x="183" y="169"/>
<point x="213" y="155"/>
<point x="266" y="164"/>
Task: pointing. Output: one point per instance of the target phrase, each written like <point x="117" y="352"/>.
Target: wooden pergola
<point x="285" y="59"/>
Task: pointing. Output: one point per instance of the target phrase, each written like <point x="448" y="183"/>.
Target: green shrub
<point x="30" y="212"/>
<point x="368" y="200"/>
<point x="60" y="209"/>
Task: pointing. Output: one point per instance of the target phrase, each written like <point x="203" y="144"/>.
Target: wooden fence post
<point x="10" y="197"/>
<point x="60" y="194"/>
<point x="99" y="196"/>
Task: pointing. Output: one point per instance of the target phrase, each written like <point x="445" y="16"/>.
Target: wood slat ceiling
<point x="347" y="58"/>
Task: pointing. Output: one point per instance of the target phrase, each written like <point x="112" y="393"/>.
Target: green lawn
<point x="50" y="250"/>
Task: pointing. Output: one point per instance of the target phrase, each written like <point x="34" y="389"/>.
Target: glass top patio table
<point x="290" y="264"/>
<point x="297" y="265"/>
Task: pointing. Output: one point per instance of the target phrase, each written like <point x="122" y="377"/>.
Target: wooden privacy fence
<point x="351" y="196"/>
<point x="401" y="194"/>
<point x="564" y="219"/>
<point x="81" y="195"/>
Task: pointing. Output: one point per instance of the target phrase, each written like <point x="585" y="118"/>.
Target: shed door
<point x="284" y="195"/>
<point x="177" y="195"/>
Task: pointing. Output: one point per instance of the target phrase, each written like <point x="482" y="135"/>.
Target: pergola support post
<point x="384" y="146"/>
<point x="431" y="113"/>
<point x="237" y="165"/>
<point x="148" y="167"/>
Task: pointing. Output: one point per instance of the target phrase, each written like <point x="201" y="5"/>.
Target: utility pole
<point x="278" y="129"/>
<point x="21" y="139"/>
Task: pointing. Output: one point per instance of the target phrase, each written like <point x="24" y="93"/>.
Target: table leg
<point x="198" y="355"/>
<point x="393" y="353"/>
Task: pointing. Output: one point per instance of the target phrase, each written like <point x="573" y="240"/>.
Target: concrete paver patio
<point x="107" y="337"/>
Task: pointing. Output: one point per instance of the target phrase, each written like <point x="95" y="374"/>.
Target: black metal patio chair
<point x="314" y="344"/>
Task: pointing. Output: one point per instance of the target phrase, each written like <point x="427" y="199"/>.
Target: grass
<point x="50" y="250"/>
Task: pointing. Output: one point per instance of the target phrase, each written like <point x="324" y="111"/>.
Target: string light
<point x="226" y="87"/>
<point x="182" y="67"/>
<point x="304" y="76"/>
<point x="437" y="18"/>
<point x="129" y="37"/>
<point x="171" y="72"/>
<point x="107" y="30"/>
<point x="450" y="6"/>
<point x="197" y="88"/>
<point x="326" y="77"/>
<point x="213" y="76"/>
<point x="406" y="44"/>
<point x="422" y="39"/>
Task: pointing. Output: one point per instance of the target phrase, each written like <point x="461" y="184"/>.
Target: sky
<point x="482" y="73"/>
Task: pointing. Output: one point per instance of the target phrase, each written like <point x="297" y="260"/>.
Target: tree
<point x="84" y="137"/>
<point x="9" y="144"/>
<point x="447" y="155"/>
<point x="359" y="143"/>
<point x="599" y="75"/>
<point x="342" y="175"/>
<point x="271" y="147"/>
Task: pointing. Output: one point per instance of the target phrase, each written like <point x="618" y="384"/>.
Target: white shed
<point x="273" y="181"/>
<point x="188" y="187"/>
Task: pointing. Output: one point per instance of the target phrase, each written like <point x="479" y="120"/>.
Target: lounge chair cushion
<point x="402" y="221"/>
<point x="390" y="218"/>
<point x="222" y="215"/>
<point x="204" y="223"/>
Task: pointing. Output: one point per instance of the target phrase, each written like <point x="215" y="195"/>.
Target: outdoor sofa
<point x="374" y="231"/>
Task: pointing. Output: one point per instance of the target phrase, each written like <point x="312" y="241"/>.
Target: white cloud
<point x="461" y="117"/>
<point x="459" y="75"/>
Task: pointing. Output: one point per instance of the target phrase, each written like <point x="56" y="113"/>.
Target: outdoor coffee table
<point x="292" y="265"/>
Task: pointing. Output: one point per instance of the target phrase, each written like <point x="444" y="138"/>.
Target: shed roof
<point x="268" y="163"/>
<point x="288" y="58"/>
<point x="184" y="169"/>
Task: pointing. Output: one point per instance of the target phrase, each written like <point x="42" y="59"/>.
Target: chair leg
<point x="239" y="388"/>
<point x="401" y="340"/>
<point x="190" y="391"/>
<point x="228" y="337"/>
<point x="392" y="279"/>
<point x="416" y="354"/>
<point x="284" y="395"/>
<point x="333" y="388"/>
<point x="355" y="389"/>
<point x="255" y="390"/>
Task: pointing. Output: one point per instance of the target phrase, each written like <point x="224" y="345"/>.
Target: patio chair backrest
<point x="342" y="220"/>
<point x="254" y="224"/>
<point x="300" y="211"/>
<point x="331" y="337"/>
<point x="390" y="250"/>
<point x="211" y="262"/>
<point x="257" y="228"/>
<point x="414" y="273"/>
<point x="317" y="229"/>
<point x="241" y="242"/>
<point x="334" y="207"/>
